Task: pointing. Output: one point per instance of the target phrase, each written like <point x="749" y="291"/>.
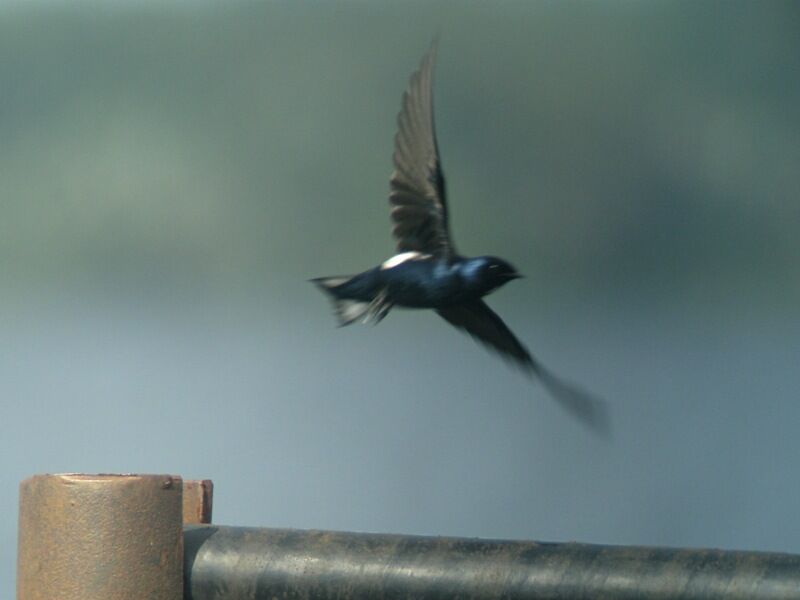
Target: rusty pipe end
<point x="103" y="537"/>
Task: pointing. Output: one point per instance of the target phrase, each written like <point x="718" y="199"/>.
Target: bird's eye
<point x="492" y="266"/>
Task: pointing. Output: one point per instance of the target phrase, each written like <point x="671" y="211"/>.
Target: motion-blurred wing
<point x="417" y="196"/>
<point x="485" y="326"/>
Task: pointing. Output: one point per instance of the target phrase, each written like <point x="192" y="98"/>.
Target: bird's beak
<point x="515" y="276"/>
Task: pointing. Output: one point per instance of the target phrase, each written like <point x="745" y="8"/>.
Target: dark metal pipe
<point x="260" y="564"/>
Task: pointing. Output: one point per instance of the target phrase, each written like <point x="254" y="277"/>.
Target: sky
<point x="172" y="175"/>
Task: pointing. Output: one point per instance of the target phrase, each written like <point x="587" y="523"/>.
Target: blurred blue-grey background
<point x="171" y="174"/>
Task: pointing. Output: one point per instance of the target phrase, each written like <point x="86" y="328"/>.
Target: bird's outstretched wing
<point x="485" y="326"/>
<point x="417" y="196"/>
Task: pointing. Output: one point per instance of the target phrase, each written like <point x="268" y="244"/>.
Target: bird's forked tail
<point x="350" y="310"/>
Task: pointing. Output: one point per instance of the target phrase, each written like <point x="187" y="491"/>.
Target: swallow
<point x="428" y="272"/>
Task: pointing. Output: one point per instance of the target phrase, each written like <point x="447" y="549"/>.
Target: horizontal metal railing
<point x="124" y="537"/>
<point x="261" y="564"/>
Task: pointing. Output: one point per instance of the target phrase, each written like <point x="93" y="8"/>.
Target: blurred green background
<point x="171" y="174"/>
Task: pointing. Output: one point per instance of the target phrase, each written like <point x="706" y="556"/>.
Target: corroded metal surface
<point x="260" y="564"/>
<point x="100" y="537"/>
<point x="198" y="497"/>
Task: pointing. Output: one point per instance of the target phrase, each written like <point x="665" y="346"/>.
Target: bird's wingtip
<point x="589" y="409"/>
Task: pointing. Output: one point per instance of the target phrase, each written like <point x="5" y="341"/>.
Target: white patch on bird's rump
<point x="399" y="259"/>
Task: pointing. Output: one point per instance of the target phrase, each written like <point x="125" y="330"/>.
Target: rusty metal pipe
<point x="260" y="564"/>
<point x="100" y="537"/>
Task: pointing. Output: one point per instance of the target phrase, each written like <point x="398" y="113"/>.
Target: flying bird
<point x="428" y="272"/>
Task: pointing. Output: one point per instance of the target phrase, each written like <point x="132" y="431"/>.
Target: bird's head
<point x="487" y="273"/>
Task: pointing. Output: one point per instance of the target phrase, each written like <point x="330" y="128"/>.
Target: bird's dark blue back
<point x="427" y="283"/>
